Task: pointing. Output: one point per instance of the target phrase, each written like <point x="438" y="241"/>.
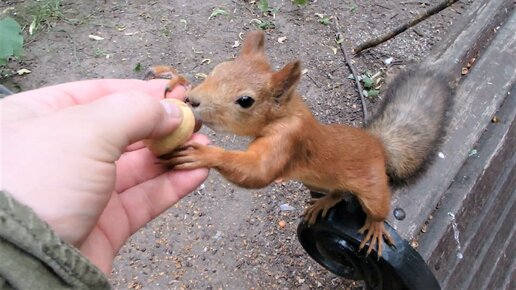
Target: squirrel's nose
<point x="192" y="102"/>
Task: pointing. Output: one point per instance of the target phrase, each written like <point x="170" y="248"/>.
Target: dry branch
<point x="390" y="34"/>
<point x="340" y="40"/>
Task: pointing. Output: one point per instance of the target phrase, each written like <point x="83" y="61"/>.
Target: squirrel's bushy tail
<point x="412" y="121"/>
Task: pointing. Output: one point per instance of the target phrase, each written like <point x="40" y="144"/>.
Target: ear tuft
<point x="253" y="43"/>
<point x="284" y="81"/>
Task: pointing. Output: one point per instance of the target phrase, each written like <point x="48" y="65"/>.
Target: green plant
<point x="217" y="12"/>
<point x="352" y="6"/>
<point x="40" y="14"/>
<point x="323" y="19"/>
<point x="370" y="82"/>
<point x="300" y="2"/>
<point x="99" y="53"/>
<point x="263" y="24"/>
<point x="266" y="9"/>
<point x="263" y="5"/>
<point x="12" y="40"/>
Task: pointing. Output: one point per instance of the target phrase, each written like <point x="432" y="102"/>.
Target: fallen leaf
<point x="23" y="71"/>
<point x="200" y="76"/>
<point x="388" y="60"/>
<point x="95" y="37"/>
<point x="32" y="26"/>
<point x="217" y="12"/>
<point x="334" y="49"/>
<point x="183" y="21"/>
<point x="282" y="39"/>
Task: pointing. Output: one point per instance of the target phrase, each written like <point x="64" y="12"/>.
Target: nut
<point x="177" y="138"/>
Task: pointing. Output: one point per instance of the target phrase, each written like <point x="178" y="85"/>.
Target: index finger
<point x="53" y="98"/>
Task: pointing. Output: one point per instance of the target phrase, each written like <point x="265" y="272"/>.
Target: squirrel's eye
<point x="245" y="102"/>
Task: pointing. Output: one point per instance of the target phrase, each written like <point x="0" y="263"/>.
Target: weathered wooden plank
<point x="466" y="40"/>
<point x="481" y="213"/>
<point x="505" y="264"/>
<point x="452" y="271"/>
<point x="468" y="189"/>
<point x="477" y="271"/>
<point x="510" y="282"/>
<point x="478" y="98"/>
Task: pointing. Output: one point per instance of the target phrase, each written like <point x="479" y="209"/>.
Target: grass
<point x="38" y="15"/>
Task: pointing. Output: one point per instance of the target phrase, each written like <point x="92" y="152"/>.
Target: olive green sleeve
<point x="32" y="256"/>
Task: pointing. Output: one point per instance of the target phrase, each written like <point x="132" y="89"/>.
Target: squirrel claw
<point x="160" y="72"/>
<point x="167" y="72"/>
<point x="376" y="233"/>
<point x="323" y="204"/>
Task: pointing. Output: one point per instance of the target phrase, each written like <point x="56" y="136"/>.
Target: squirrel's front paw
<point x="191" y="156"/>
<point x="167" y="72"/>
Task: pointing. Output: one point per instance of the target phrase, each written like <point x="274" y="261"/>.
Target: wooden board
<point x="478" y="97"/>
<point x="482" y="201"/>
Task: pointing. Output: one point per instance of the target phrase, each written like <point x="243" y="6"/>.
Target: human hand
<point x="72" y="153"/>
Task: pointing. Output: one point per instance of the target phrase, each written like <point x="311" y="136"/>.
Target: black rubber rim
<point x="333" y="242"/>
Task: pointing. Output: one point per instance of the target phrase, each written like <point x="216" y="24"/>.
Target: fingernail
<point x="172" y="110"/>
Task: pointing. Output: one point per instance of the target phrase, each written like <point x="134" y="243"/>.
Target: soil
<point x="222" y="236"/>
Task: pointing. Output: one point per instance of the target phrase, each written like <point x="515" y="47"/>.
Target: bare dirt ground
<point x="221" y="236"/>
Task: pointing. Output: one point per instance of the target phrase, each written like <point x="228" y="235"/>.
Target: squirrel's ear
<point x="253" y="43"/>
<point x="284" y="81"/>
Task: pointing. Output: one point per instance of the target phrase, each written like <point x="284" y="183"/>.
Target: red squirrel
<point x="246" y="97"/>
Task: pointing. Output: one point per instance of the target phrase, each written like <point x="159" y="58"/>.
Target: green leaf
<point x="263" y="5"/>
<point x="12" y="39"/>
<point x="217" y="12"/>
<point x="368" y="82"/>
<point x="138" y="67"/>
<point x="373" y="93"/>
<point x="263" y="24"/>
<point x="300" y="2"/>
<point x="324" y="20"/>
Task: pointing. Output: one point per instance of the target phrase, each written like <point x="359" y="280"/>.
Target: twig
<point x="390" y="34"/>
<point x="416" y="2"/>
<point x="340" y="41"/>
<point x="315" y="83"/>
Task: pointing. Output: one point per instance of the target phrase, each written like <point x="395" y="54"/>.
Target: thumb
<point x="124" y="118"/>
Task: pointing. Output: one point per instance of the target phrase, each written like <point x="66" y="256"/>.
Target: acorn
<point x="169" y="143"/>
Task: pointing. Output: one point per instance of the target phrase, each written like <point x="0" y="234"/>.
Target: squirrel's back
<point x="412" y="121"/>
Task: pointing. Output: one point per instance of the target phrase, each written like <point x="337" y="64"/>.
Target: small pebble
<point x="282" y="224"/>
<point x="286" y="207"/>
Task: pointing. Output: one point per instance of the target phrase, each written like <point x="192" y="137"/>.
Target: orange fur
<point x="289" y="143"/>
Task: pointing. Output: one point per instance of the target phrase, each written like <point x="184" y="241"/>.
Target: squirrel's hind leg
<point x="321" y="204"/>
<point x="376" y="232"/>
<point x="376" y="203"/>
